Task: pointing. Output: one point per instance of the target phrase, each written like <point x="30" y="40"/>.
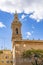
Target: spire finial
<point x="15" y="11"/>
<point x="16" y="15"/>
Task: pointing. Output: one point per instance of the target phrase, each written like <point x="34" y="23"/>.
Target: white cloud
<point x="2" y="25"/>
<point x="27" y="6"/>
<point x="28" y="34"/>
<point x="23" y="16"/>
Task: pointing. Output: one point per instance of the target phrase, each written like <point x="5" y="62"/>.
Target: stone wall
<point x="21" y="46"/>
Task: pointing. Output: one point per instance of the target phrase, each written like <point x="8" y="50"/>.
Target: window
<point x="2" y="61"/>
<point x="6" y="57"/>
<point x="16" y="30"/>
<point x="7" y="61"/>
<point x="11" y="61"/>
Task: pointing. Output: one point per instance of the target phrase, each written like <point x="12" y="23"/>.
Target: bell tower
<point x="16" y="28"/>
<point x="16" y="35"/>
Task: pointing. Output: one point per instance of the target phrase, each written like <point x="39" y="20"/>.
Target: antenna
<point x="4" y="43"/>
<point x="1" y="47"/>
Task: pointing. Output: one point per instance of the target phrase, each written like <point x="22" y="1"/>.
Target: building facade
<point x="6" y="57"/>
<point x="18" y="44"/>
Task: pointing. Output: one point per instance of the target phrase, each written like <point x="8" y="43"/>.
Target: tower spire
<point x="15" y="11"/>
<point x="15" y="17"/>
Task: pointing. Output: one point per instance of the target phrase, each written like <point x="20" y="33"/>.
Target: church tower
<point x="16" y="35"/>
<point x="16" y="28"/>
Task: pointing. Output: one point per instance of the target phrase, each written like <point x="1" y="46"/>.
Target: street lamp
<point x="35" y="56"/>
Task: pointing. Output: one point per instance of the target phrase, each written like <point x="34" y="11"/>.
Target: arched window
<point x="16" y="30"/>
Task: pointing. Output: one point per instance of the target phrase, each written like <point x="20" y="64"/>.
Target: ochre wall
<point x="6" y="57"/>
<point x="21" y="46"/>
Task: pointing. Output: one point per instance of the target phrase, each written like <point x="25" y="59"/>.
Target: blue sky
<point x="30" y="15"/>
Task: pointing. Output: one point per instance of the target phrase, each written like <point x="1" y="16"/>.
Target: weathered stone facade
<point x="6" y="57"/>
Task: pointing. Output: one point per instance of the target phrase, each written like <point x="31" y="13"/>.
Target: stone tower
<point x="16" y="34"/>
<point x="16" y="28"/>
